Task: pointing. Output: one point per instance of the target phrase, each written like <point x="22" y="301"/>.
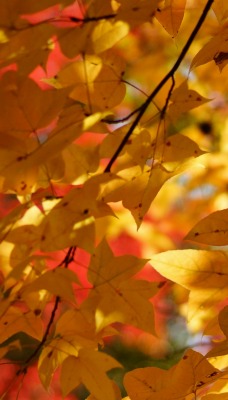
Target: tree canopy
<point x="113" y="191"/>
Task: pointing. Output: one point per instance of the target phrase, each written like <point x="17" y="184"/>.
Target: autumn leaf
<point x="106" y="34"/>
<point x="220" y="348"/>
<point x="212" y="230"/>
<point x="216" y="49"/>
<point x="57" y="281"/>
<point x="95" y="81"/>
<point x="115" y="295"/>
<point x="137" y="11"/>
<point x="220" y="9"/>
<point x="191" y="374"/>
<point x="89" y="368"/>
<point x="170" y="15"/>
<point x="183" y="100"/>
<point x="14" y="321"/>
<point x="202" y="272"/>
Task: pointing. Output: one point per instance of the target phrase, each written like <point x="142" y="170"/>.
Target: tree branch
<point x="66" y="261"/>
<point x="169" y="75"/>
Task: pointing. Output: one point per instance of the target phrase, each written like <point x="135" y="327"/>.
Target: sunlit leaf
<point x="216" y="49"/>
<point x="202" y="272"/>
<point x="191" y="373"/>
<point x="221" y="348"/>
<point x="212" y="230"/>
<point x="14" y="321"/>
<point x="57" y="281"/>
<point x="220" y="8"/>
<point x="115" y="295"/>
<point x="105" y="35"/>
<point x="170" y="15"/>
<point x="137" y="11"/>
<point x="183" y="100"/>
<point x="90" y="369"/>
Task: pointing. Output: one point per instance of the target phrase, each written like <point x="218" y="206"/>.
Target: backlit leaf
<point x="106" y="34"/>
<point x="221" y="348"/>
<point x="191" y="373"/>
<point x="183" y="100"/>
<point x="220" y="8"/>
<point x="170" y="15"/>
<point x="57" y="281"/>
<point x="137" y="11"/>
<point x="202" y="272"/>
<point x="212" y="230"/>
<point x="216" y="49"/>
<point x="89" y="368"/>
<point x="96" y="81"/>
<point x="115" y="295"/>
<point x="14" y="321"/>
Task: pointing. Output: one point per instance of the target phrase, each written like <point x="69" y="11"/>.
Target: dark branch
<point x="92" y="19"/>
<point x="169" y="75"/>
<point x="66" y="261"/>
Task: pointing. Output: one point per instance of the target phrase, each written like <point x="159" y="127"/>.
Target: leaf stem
<point x="169" y="75"/>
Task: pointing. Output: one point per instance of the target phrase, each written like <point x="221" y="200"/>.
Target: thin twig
<point x="66" y="261"/>
<point x="169" y="75"/>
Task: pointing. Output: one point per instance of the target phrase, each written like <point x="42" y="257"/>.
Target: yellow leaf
<point x="135" y="12"/>
<point x="116" y="296"/>
<point x="202" y="272"/>
<point x="57" y="281"/>
<point x="216" y="49"/>
<point x="176" y="149"/>
<point x="221" y="348"/>
<point x="96" y="81"/>
<point x="79" y="162"/>
<point x="183" y="100"/>
<point x="14" y="321"/>
<point x="106" y="34"/>
<point x="28" y="46"/>
<point x="89" y="368"/>
<point x="212" y="230"/>
<point x="191" y="373"/>
<point x="73" y="332"/>
<point x="171" y="15"/>
<point x="117" y="393"/>
<point x="220" y="8"/>
<point x="139" y="193"/>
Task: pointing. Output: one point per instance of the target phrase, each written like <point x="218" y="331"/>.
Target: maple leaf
<point x="89" y="368"/>
<point x="212" y="230"/>
<point x="57" y="281"/>
<point x="96" y="80"/>
<point x="184" y="100"/>
<point x="191" y="374"/>
<point x="170" y="15"/>
<point x="14" y="321"/>
<point x="216" y="49"/>
<point x="202" y="272"/>
<point x="221" y="347"/>
<point x="115" y="295"/>
<point x="137" y="11"/>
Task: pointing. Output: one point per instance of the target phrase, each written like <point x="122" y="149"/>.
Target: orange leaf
<point x="202" y="272"/>
<point x="212" y="230"/>
<point x="117" y="297"/>
<point x="183" y="100"/>
<point x="89" y="368"/>
<point x="14" y="321"/>
<point x="171" y="15"/>
<point x="216" y="49"/>
<point x="221" y="348"/>
<point x="191" y="373"/>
